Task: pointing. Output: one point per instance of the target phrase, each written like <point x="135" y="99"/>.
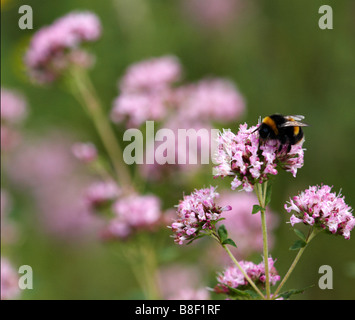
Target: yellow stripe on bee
<point x="271" y="123"/>
<point x="296" y="130"/>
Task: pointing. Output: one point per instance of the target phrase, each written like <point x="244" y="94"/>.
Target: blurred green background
<point x="281" y="61"/>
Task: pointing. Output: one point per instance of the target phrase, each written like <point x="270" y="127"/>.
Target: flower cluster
<point x="101" y="192"/>
<point x="151" y="75"/>
<point x="132" y="213"/>
<point x="53" y="48"/>
<point x="13" y="106"/>
<point x="213" y="98"/>
<point x="181" y="282"/>
<point x="147" y="93"/>
<point x="44" y="168"/>
<point x="13" y="112"/>
<point x="196" y="212"/>
<point x="145" y="90"/>
<point x="232" y="277"/>
<point x="318" y="206"/>
<point x="85" y="152"/>
<point x="250" y="160"/>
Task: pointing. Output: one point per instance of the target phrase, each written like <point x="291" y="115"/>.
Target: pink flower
<point x="212" y="99"/>
<point x="249" y="160"/>
<point x="13" y="106"/>
<point x="181" y="282"/>
<point x="187" y="157"/>
<point x="151" y="74"/>
<point x="190" y="294"/>
<point x="46" y="170"/>
<point x="317" y="206"/>
<point x="85" y="152"/>
<point x="101" y="192"/>
<point x="13" y="112"/>
<point x="10" y="138"/>
<point x="9" y="281"/>
<point x="132" y="213"/>
<point x="196" y="213"/>
<point x="55" y="47"/>
<point x="136" y="108"/>
<point x="233" y="277"/>
<point x="146" y="91"/>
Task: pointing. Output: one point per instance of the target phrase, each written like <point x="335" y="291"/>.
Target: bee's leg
<point x="282" y="142"/>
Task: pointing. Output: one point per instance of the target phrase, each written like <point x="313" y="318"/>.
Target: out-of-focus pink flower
<point x="13" y="111"/>
<point x="101" y="192"/>
<point x="138" y="107"/>
<point x="181" y="282"/>
<point x="85" y="152"/>
<point x="55" y="47"/>
<point x="10" y="138"/>
<point x="243" y="226"/>
<point x="191" y="294"/>
<point x="211" y="13"/>
<point x="152" y="74"/>
<point x="196" y="212"/>
<point x="146" y="91"/>
<point x="318" y="206"/>
<point x="238" y="155"/>
<point x="233" y="277"/>
<point x="188" y="150"/>
<point x="9" y="281"/>
<point x="212" y="99"/>
<point x="13" y="106"/>
<point x="42" y="162"/>
<point x="64" y="214"/>
<point x="46" y="169"/>
<point x="133" y="213"/>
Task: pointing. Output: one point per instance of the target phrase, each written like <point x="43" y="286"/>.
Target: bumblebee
<point x="286" y="129"/>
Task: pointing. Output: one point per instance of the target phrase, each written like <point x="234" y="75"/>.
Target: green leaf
<point x="242" y="294"/>
<point x="300" y="234"/>
<point x="287" y="294"/>
<point x="222" y="233"/>
<point x="298" y="244"/>
<point x="257" y="208"/>
<point x="230" y="242"/>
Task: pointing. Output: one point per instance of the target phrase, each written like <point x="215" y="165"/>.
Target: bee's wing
<point x="295" y="118"/>
<point x="294" y="124"/>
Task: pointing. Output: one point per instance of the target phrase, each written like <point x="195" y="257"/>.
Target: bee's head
<point x="264" y="131"/>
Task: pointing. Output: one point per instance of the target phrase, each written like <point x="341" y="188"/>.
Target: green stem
<point x="85" y="91"/>
<point x="243" y="272"/>
<point x="310" y="236"/>
<point x="261" y="194"/>
<point x="150" y="266"/>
